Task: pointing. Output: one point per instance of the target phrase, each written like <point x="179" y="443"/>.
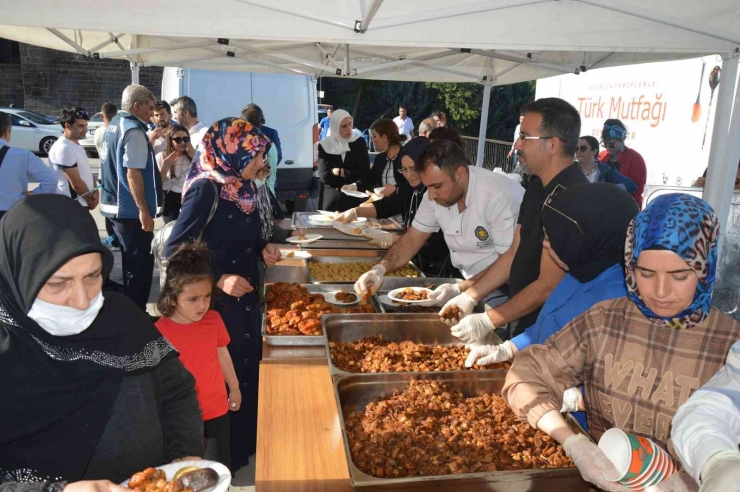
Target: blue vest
<point x="116" y="200"/>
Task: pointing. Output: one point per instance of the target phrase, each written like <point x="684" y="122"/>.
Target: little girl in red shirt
<point x="199" y="334"/>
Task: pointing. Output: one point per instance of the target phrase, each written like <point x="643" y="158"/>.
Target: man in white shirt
<point x="162" y="115"/>
<point x="476" y="209"/>
<point x="512" y="152"/>
<point x="69" y="159"/>
<point x="108" y="111"/>
<point x="186" y="113"/>
<point x="404" y="123"/>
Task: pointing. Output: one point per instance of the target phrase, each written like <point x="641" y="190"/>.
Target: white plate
<point x="297" y="254"/>
<point x="331" y="297"/>
<point x="309" y="239"/>
<point x="349" y="229"/>
<point x="393" y="295"/>
<point x="322" y="218"/>
<point x="326" y="212"/>
<point x="356" y="194"/>
<point x="224" y="475"/>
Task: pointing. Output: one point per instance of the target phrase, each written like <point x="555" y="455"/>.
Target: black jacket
<point x="356" y="167"/>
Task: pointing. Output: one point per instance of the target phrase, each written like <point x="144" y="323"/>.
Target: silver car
<point x="32" y="131"/>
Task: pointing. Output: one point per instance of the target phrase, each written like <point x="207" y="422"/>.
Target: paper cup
<point x="649" y="479"/>
<point x="616" y="446"/>
<point x="652" y="469"/>
<point x="643" y="455"/>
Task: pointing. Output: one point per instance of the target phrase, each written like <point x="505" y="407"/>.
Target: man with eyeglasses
<point x="69" y="159"/>
<point x="476" y="209"/>
<point x="546" y="144"/>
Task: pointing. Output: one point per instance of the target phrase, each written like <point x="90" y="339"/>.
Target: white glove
<point x="350" y="187"/>
<point x="473" y="328"/>
<point x="348" y="216"/>
<point x="570" y="400"/>
<point x="721" y="472"/>
<point x="462" y="301"/>
<point x="592" y="463"/>
<point x="442" y="294"/>
<point x="382" y="239"/>
<point x="370" y="281"/>
<point x="489" y="354"/>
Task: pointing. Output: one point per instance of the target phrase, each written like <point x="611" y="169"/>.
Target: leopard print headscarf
<point x="687" y="226"/>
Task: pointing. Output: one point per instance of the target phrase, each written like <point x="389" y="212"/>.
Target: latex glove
<point x="462" y="301"/>
<point x="570" y="400"/>
<point x="348" y="216"/>
<point x="489" y="354"/>
<point x="680" y="482"/>
<point x="442" y="294"/>
<point x="473" y="328"/>
<point x="721" y="472"/>
<point x="383" y="239"/>
<point x="370" y="281"/>
<point x="350" y="187"/>
<point x="592" y="463"/>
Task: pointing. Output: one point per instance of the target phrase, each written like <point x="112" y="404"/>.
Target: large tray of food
<point x="304" y="220"/>
<point x="292" y="312"/>
<point x="440" y="430"/>
<point x="347" y="269"/>
<point x="373" y="343"/>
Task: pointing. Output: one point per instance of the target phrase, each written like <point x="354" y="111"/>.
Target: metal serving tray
<point x="301" y="220"/>
<point x="307" y="340"/>
<point x="353" y="393"/>
<point x="348" y="259"/>
<point x="419" y="328"/>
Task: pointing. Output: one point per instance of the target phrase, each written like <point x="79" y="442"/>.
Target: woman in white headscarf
<point x="343" y="160"/>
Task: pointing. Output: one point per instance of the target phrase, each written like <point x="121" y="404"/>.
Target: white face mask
<point x="63" y="321"/>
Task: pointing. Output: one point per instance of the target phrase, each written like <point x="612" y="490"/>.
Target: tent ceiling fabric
<point x="497" y="42"/>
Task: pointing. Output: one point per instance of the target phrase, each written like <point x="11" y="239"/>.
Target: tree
<point x="461" y="102"/>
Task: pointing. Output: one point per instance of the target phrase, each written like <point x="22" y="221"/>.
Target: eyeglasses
<point x="548" y="200"/>
<point x="524" y="137"/>
<point x="409" y="170"/>
<point x="582" y="148"/>
<point x="181" y="139"/>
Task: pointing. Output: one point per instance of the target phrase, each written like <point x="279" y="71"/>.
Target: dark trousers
<point x="109" y="230"/>
<point x="172" y="204"/>
<point x="218" y="440"/>
<point x="137" y="260"/>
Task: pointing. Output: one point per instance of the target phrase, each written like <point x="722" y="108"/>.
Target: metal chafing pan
<point x="419" y="328"/>
<point x="348" y="259"/>
<point x="353" y="393"/>
<point x="306" y="340"/>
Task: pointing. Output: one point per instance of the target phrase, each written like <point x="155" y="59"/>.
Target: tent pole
<point x="64" y="38"/>
<point x="483" y="125"/>
<point x="134" y="73"/>
<point x="725" y="151"/>
<point x="346" y="59"/>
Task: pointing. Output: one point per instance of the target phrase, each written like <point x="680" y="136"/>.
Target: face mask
<point x="63" y="321"/>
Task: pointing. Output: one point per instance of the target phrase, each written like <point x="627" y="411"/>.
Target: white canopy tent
<point x="489" y="42"/>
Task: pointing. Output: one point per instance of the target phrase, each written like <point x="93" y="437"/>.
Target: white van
<point x="288" y="101"/>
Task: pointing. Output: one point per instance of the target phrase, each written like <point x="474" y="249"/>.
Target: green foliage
<point x="462" y="103"/>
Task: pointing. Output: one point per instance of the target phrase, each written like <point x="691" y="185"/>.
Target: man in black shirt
<point x="546" y="144"/>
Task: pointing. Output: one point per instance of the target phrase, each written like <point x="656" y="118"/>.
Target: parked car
<point x="32" y="131"/>
<point x="96" y="121"/>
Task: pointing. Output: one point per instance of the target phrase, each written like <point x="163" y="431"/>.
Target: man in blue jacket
<point x="132" y="189"/>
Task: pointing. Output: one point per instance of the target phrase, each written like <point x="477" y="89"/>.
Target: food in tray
<point x="376" y="354"/>
<point x="345" y="297"/>
<point x="187" y="479"/>
<point x="357" y="230"/>
<point x="290" y="254"/>
<point x="452" y="313"/>
<point x="293" y="310"/>
<point x="351" y="271"/>
<point x="430" y="428"/>
<point x="409" y="294"/>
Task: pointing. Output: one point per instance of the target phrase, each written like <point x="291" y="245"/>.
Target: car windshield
<point x="35" y="118"/>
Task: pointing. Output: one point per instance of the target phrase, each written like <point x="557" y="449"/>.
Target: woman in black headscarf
<point x="91" y="390"/>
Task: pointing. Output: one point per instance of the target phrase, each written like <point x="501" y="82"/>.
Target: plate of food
<point x="322" y="218"/>
<point x="351" y="228"/>
<point x="326" y="212"/>
<point x="341" y="297"/>
<point x="410" y="294"/>
<point x="294" y="254"/>
<point x="200" y="476"/>
<point x="356" y="194"/>
<point x="306" y="238"/>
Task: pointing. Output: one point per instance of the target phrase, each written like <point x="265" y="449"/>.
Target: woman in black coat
<point x="343" y="161"/>
<point x="224" y="166"/>
<point x="386" y="171"/>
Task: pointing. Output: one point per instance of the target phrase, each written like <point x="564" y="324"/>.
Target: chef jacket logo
<point x="483" y="237"/>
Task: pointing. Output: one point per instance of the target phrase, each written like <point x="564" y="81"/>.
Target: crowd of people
<point x="604" y="310"/>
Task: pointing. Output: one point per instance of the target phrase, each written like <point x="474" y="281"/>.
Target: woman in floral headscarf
<point x="228" y="159"/>
<point x="638" y="357"/>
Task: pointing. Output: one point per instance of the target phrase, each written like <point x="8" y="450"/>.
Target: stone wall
<point x="51" y="80"/>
